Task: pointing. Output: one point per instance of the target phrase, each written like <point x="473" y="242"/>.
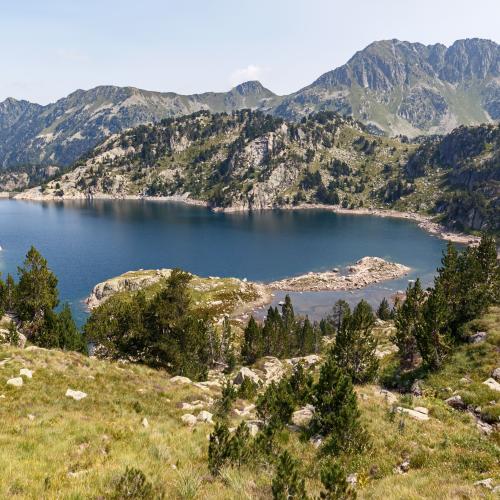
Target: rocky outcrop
<point x="366" y="271"/>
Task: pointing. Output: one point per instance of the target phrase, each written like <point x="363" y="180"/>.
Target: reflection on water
<point x="88" y="241"/>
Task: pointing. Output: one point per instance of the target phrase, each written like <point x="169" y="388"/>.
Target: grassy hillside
<point x="54" y="446"/>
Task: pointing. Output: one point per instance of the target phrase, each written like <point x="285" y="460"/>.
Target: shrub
<point x="133" y="484"/>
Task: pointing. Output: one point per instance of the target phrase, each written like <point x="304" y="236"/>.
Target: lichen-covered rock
<point x="189" y="419"/>
<point x="76" y="395"/>
<point x="492" y="384"/>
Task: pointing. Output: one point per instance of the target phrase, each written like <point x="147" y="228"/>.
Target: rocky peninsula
<point x="364" y="272"/>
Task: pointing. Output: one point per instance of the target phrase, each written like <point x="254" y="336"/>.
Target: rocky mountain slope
<point x="395" y="87"/>
<point x="409" y="88"/>
<point x="251" y="161"/>
<point x="59" y="133"/>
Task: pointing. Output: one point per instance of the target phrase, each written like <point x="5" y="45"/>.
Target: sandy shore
<point x="425" y="222"/>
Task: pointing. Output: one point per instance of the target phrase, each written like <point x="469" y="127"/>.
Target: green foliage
<point x="165" y="332"/>
<point x="287" y="482"/>
<point x="59" y="331"/>
<point x="248" y="389"/>
<point x="276" y="404"/>
<point x="12" y="334"/>
<point x="408" y="320"/>
<point x="355" y="345"/>
<point x="224" y="403"/>
<point x="133" y="484"/>
<point x="282" y="335"/>
<point x="336" y="413"/>
<point x="384" y="311"/>
<point x="335" y="483"/>
<point x="36" y="291"/>
<point x="226" y="449"/>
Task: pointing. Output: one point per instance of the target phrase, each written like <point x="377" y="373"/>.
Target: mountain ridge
<point x="395" y="87"/>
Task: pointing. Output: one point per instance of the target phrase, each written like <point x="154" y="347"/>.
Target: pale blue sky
<point x="52" y="47"/>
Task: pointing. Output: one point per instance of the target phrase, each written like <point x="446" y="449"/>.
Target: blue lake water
<point x="88" y="242"/>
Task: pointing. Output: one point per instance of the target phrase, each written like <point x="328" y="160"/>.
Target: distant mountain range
<point x="394" y="87"/>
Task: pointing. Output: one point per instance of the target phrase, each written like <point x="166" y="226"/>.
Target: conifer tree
<point x="219" y="450"/>
<point x="336" y="413"/>
<point x="252" y="340"/>
<point x="335" y="483"/>
<point x="306" y="338"/>
<point x="340" y="310"/>
<point x="36" y="291"/>
<point x="273" y="334"/>
<point x="433" y="336"/>
<point x="355" y="345"/>
<point x="408" y="320"/>
<point x="384" y="311"/>
<point x="10" y="293"/>
<point x="287" y="483"/>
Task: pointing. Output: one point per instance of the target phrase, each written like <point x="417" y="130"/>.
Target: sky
<point x="52" y="47"/>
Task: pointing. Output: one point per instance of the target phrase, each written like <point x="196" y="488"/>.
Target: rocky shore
<point x="364" y="272"/>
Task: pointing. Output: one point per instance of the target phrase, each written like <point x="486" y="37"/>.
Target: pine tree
<point x="335" y="483"/>
<point x="433" y="336"/>
<point x="384" y="311"/>
<point x="287" y="483"/>
<point x="336" y="413"/>
<point x="252" y="340"/>
<point x="355" y="345"/>
<point x="273" y="334"/>
<point x="10" y="293"/>
<point x="219" y="450"/>
<point x="306" y="338"/>
<point x="240" y="451"/>
<point x="408" y="321"/>
<point x="275" y="406"/>
<point x="37" y="288"/>
<point x="340" y="310"/>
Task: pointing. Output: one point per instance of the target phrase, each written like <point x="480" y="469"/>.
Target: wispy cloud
<point x="251" y="72"/>
<point x="72" y="55"/>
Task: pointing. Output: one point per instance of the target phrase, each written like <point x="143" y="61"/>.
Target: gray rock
<point x="204" y="416"/>
<point x="16" y="381"/>
<point x="416" y="388"/>
<point x="485" y="483"/>
<point x="492" y="384"/>
<point x="456" y="402"/>
<point x="303" y="416"/>
<point x="496" y="374"/>
<point x="26" y="373"/>
<point x="416" y="413"/>
<point x="478" y="337"/>
<point x="76" y="395"/>
<point x="189" y="419"/>
<point x="178" y="380"/>
<point x="254" y="429"/>
<point x="246" y="373"/>
<point x="145" y="423"/>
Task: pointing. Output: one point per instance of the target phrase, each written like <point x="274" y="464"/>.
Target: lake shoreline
<point x="425" y="222"/>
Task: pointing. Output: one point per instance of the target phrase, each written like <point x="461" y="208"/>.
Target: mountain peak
<point x="252" y="87"/>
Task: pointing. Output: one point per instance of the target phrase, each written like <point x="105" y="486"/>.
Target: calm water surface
<point x="88" y="242"/>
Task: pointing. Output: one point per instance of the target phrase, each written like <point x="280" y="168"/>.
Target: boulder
<point x="456" y="402"/>
<point x="204" y="416"/>
<point x="195" y="405"/>
<point x="316" y="441"/>
<point x="416" y="388"/>
<point x="189" y="419"/>
<point x="416" y="414"/>
<point x="145" y="423"/>
<point x="307" y="361"/>
<point x="273" y="369"/>
<point x="180" y="380"/>
<point x="403" y="467"/>
<point x="477" y="337"/>
<point x="389" y="397"/>
<point x="495" y="374"/>
<point x="25" y="372"/>
<point x="484" y="427"/>
<point x="352" y="479"/>
<point x="246" y="373"/>
<point x="492" y="384"/>
<point x="303" y="416"/>
<point x="16" y="381"/>
<point x="253" y="428"/>
<point x="485" y="483"/>
<point x="76" y="395"/>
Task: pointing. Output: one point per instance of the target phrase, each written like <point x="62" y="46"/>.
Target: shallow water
<point x="88" y="242"/>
